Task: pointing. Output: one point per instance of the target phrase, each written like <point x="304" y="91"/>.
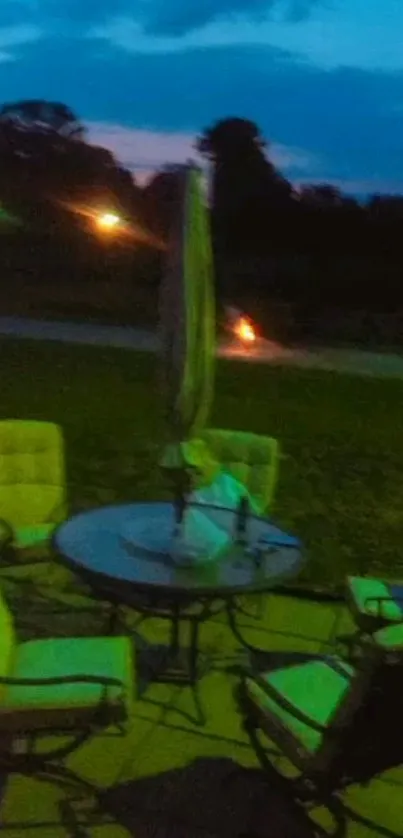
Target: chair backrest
<point x="7" y="641"/>
<point x="32" y="473"/>
<point x="250" y="458"/>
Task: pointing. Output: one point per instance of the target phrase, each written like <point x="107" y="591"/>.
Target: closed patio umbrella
<point x="187" y="326"/>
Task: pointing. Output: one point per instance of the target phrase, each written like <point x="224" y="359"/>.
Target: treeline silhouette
<point x="312" y="263"/>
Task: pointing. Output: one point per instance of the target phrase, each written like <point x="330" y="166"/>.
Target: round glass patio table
<point x="127" y="548"/>
<point x="124" y="554"/>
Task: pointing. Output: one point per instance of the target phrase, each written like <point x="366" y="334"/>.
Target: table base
<point x="170" y="666"/>
<point x="165" y="665"/>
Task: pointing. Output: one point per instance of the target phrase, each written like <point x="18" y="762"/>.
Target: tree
<point x="386" y="207"/>
<point x="325" y="196"/>
<point x="41" y="116"/>
<point x="161" y="197"/>
<point x="45" y="161"/>
<point x="247" y="190"/>
<point x="322" y="195"/>
<point x="230" y="139"/>
<point x="236" y="146"/>
<point x="39" y="132"/>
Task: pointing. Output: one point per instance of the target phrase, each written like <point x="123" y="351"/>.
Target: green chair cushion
<point x="390" y="638"/>
<point x="34" y="535"/>
<point x="51" y="658"/>
<point x="32" y="481"/>
<point x="313" y="688"/>
<point x="362" y="589"/>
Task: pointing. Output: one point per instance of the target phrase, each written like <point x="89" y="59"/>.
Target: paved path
<point x="85" y="333"/>
<point x="353" y="361"/>
<point x="341" y="360"/>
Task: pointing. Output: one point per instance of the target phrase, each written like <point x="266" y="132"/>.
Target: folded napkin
<point x="199" y="540"/>
<point x="207" y="531"/>
<point x="224" y="491"/>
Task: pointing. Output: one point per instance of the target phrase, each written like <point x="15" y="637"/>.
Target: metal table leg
<point x="232" y="610"/>
<point x="177" y="663"/>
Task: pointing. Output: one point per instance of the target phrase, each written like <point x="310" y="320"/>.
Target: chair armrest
<point x="98" y="717"/>
<point x="284" y="704"/>
<point x="100" y="680"/>
<point x="333" y="663"/>
<point x="39" y="599"/>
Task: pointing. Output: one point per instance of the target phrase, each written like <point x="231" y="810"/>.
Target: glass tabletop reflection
<point x="131" y="544"/>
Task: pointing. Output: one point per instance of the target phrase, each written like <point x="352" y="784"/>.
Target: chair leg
<point x="257" y="613"/>
<point x="80" y="816"/>
<point x="302" y="794"/>
<point x="113" y="621"/>
<point x="194" y="650"/>
<point x="349" y="643"/>
<point x="70" y="822"/>
<point x="201" y="718"/>
<point x="65" y="778"/>
<point x="232" y="610"/>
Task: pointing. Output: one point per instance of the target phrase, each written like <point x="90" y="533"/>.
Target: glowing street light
<point x="107" y="221"/>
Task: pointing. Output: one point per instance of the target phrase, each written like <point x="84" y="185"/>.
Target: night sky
<point x="323" y="79"/>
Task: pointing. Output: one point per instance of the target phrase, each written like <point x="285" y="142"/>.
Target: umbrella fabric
<point x="187" y="321"/>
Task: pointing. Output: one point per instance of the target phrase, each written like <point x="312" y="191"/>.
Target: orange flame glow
<point x="245" y="331"/>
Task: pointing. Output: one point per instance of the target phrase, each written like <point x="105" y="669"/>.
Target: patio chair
<point x="56" y="686"/>
<point x="337" y="724"/>
<point x="250" y="458"/>
<point x="32" y="480"/>
<point x="33" y="501"/>
<point x="253" y="460"/>
<point x="373" y="602"/>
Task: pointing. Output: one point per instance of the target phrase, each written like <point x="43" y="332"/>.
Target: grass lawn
<point x="341" y="480"/>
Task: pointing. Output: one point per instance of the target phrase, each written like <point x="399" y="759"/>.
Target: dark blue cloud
<point x="85" y="11"/>
<point x="181" y="16"/>
<point x="173" y="17"/>
<point x="74" y="11"/>
<point x="298" y="10"/>
<point x="349" y="119"/>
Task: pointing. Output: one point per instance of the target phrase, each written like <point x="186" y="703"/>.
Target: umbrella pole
<point x="180" y="506"/>
<point x="182" y="484"/>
